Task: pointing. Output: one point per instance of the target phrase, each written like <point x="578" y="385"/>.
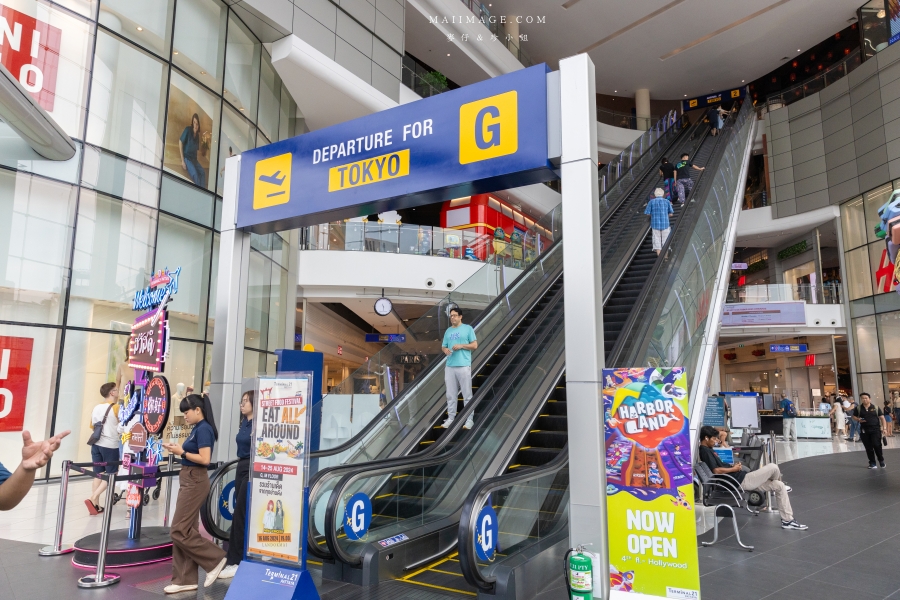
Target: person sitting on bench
<point x="767" y="478"/>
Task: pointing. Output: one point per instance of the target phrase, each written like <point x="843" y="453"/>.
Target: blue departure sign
<point x="479" y="138"/>
<point x="386" y="338"/>
<point x="788" y="348"/>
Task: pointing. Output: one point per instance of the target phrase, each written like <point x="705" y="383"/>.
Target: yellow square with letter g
<point x="272" y="181"/>
<point x="489" y="128"/>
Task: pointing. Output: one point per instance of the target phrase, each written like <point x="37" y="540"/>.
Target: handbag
<point x="98" y="428"/>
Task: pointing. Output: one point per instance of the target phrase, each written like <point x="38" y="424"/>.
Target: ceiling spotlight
<point x="615" y="91"/>
<point x="798" y="49"/>
<point x="176" y="52"/>
<point x="742" y="81"/>
<point x="685" y="95"/>
<point x="203" y="72"/>
<point x="448" y="54"/>
<point x="141" y="28"/>
<point x="881" y="14"/>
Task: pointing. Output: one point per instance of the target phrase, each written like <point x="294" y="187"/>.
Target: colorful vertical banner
<point x="650" y="497"/>
<point x="279" y="468"/>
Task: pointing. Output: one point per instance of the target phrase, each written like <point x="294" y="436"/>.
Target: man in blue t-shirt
<point x="459" y="341"/>
<point x="788" y="414"/>
<point x="14" y="486"/>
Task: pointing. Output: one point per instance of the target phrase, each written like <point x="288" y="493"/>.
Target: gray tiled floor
<point x="846" y="553"/>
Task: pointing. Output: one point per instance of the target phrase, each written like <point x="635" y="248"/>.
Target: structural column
<point x="584" y="314"/>
<point x="231" y="315"/>
<point x="642" y="108"/>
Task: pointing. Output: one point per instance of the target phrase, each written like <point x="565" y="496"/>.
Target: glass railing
<point x="531" y="509"/>
<point x="682" y="298"/>
<point x="757" y="199"/>
<point x="424" y="86"/>
<point x="814" y="84"/>
<point x="422" y="240"/>
<point x="620" y="172"/>
<point x="626" y="120"/>
<point x="429" y="489"/>
<point x="828" y="293"/>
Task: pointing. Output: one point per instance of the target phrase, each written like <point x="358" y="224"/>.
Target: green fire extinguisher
<point x="579" y="576"/>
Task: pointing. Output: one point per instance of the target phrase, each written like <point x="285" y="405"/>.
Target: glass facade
<point x="874" y="301"/>
<point x="156" y="96"/>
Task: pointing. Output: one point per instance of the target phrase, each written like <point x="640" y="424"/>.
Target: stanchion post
<point x="170" y="464"/>
<point x="58" y="548"/>
<point x="774" y="447"/>
<point x="101" y="578"/>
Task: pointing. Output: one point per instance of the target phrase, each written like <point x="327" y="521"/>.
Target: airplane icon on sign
<point x="275" y="180"/>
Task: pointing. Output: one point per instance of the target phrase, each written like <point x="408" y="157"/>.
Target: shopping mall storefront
<point x="874" y="302"/>
<point x="156" y="95"/>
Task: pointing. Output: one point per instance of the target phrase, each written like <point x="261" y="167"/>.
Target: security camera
<point x="450" y="285"/>
<point x="429" y="283"/>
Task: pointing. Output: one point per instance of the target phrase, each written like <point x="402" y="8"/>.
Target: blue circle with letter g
<point x="357" y="516"/>
<point x="486" y="533"/>
<point x="226" y="501"/>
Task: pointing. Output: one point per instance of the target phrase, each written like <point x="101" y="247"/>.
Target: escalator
<point x="417" y="430"/>
<point x="407" y="493"/>
<point x="531" y="504"/>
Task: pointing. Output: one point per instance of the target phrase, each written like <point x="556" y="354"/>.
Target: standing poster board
<point x="744" y="412"/>
<point x="275" y="550"/>
<point x="649" y="491"/>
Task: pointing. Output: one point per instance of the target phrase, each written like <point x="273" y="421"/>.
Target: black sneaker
<point x="882" y="464"/>
<point x="793" y="525"/>
<point x="872" y="466"/>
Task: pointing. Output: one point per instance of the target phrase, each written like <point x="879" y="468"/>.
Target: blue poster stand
<point x="256" y="578"/>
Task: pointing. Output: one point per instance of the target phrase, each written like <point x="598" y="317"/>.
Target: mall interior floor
<point x="847" y="552"/>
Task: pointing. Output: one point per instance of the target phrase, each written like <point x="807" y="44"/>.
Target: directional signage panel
<point x="478" y="138"/>
<point x="788" y="347"/>
<point x="713" y="99"/>
<point x="386" y="338"/>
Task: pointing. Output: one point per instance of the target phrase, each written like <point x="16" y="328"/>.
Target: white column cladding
<point x="231" y="316"/>
<point x="584" y="314"/>
<point x="642" y="108"/>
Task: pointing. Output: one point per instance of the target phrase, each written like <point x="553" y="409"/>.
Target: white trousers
<point x="457" y="379"/>
<point x="789" y="429"/>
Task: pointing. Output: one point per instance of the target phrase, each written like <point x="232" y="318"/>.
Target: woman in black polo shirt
<point x="244" y="441"/>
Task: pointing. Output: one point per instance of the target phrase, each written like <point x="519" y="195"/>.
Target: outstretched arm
<point x="34" y="456"/>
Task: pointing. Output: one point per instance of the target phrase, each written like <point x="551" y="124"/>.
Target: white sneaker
<point x="469" y="423"/>
<point x="228" y="572"/>
<point x="175" y="589"/>
<point x="447" y="423"/>
<point x="212" y="575"/>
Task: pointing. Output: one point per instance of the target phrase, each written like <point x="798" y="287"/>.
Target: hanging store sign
<point x="386" y="338"/>
<point x="714" y="99"/>
<point x="29" y="49"/>
<point x="15" y="368"/>
<point x="788" y="347"/>
<point x="769" y="313"/>
<point x="149" y="341"/>
<point x="650" y="497"/>
<point x="479" y="138"/>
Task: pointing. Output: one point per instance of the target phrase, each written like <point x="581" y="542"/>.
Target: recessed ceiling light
<point x="798" y="49"/>
<point x="241" y="109"/>
<point x="176" y="52"/>
<point x="203" y="72"/>
<point x="448" y="54"/>
<point x="742" y="81"/>
<point x="140" y="28"/>
<point x="685" y="95"/>
<point x="881" y="14"/>
<point x="615" y="91"/>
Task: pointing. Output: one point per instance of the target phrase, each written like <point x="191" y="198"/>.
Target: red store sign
<point x="29" y="49"/>
<point x="15" y="366"/>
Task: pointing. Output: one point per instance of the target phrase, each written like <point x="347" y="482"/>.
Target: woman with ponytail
<point x="244" y="441"/>
<point x="189" y="548"/>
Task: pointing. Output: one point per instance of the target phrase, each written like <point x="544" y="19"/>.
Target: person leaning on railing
<point x="14" y="486"/>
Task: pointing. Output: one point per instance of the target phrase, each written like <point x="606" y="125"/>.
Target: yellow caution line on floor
<point x="440" y="587"/>
<point x="431" y="566"/>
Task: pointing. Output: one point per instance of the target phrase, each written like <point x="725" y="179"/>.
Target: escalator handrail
<point x="451" y="433"/>
<point x="477" y="497"/>
<point x="434" y="365"/>
<point x="405" y="463"/>
<point x="629" y="349"/>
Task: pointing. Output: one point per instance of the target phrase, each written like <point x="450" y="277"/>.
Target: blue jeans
<point x="195" y="172"/>
<point x="854" y="429"/>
